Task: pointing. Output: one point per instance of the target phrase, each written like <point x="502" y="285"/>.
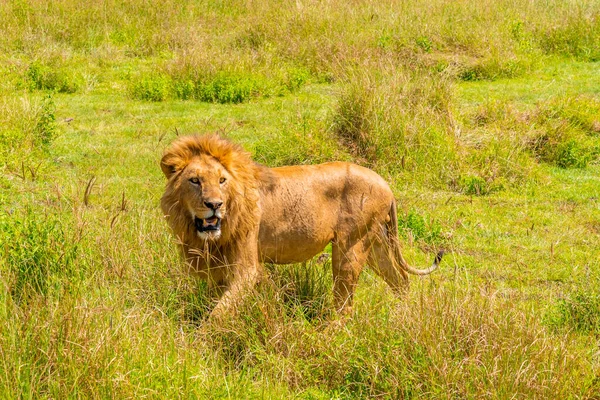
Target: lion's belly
<point x="289" y="239"/>
<point x="288" y="253"/>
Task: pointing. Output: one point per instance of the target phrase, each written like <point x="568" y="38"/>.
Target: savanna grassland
<point x="483" y="116"/>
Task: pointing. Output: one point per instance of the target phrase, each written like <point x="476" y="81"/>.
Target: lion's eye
<point x="222" y="180"/>
<point x="195" y="181"/>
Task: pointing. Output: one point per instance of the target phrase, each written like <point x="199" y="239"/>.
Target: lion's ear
<point x="169" y="165"/>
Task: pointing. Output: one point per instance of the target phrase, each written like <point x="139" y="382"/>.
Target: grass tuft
<point x="579" y="312"/>
<point x="152" y="88"/>
<point x="39" y="252"/>
<point x="380" y="120"/>
<point x="52" y="78"/>
<point x="306" y="288"/>
<point x="420" y="227"/>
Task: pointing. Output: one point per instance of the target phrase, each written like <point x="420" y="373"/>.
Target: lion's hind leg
<point x="382" y="260"/>
<point x="348" y="259"/>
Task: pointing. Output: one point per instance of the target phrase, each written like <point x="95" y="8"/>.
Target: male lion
<point x="231" y="214"/>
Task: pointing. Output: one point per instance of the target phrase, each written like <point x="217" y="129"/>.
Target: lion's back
<point x="333" y="179"/>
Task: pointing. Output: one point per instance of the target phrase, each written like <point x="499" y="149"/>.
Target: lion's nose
<point x="213" y="204"/>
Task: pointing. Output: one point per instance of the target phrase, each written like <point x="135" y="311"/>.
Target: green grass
<point x="485" y="120"/>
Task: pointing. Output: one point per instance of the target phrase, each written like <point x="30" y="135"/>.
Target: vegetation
<point x="485" y="120"/>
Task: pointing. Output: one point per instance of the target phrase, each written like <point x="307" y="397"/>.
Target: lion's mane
<point x="243" y="196"/>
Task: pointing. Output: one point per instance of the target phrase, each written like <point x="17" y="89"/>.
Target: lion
<point x="231" y="215"/>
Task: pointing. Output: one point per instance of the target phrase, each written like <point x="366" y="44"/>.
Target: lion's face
<point x="203" y="194"/>
<point x="211" y="192"/>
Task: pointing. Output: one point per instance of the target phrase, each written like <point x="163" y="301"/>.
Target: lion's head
<point x="211" y="192"/>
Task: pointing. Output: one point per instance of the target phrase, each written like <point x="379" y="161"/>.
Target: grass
<point x="484" y="120"/>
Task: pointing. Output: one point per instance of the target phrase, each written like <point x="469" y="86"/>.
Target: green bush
<point x="579" y="312"/>
<point x="473" y="185"/>
<point x="424" y="43"/>
<point x="228" y="88"/>
<point x="38" y="252"/>
<point x="224" y="87"/>
<point x="184" y="89"/>
<point x="45" y="129"/>
<point x="296" y="78"/>
<point x="564" y="147"/>
<point x="420" y="227"/>
<point x="156" y="87"/>
<point x="45" y="77"/>
<point x="572" y="155"/>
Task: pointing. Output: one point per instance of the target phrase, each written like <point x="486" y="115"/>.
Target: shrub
<point x="228" y="88"/>
<point x="185" y="89"/>
<point x="296" y="78"/>
<point x="564" y="140"/>
<point x="44" y="77"/>
<point x="420" y="227"/>
<point x="424" y="43"/>
<point x="45" y="129"/>
<point x="579" y="312"/>
<point x="38" y="252"/>
<point x="572" y="155"/>
<point x="473" y="185"/>
<point x="156" y="87"/>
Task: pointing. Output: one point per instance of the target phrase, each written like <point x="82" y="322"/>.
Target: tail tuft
<point x="438" y="257"/>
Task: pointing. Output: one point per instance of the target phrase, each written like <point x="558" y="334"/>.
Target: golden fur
<point x="231" y="215"/>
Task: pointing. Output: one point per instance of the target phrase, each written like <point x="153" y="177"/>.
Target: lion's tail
<point x="392" y="233"/>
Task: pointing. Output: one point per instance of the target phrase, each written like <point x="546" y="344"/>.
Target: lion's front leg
<point x="245" y="271"/>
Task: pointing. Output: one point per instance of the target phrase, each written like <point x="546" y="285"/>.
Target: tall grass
<point x="396" y="121"/>
<point x="93" y="298"/>
<point x="497" y="39"/>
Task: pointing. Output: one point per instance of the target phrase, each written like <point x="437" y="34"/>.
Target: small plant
<point x="45" y="129"/>
<point x="473" y="185"/>
<point x="384" y="41"/>
<point x="43" y="77"/>
<point x="296" y="78"/>
<point x="227" y="88"/>
<point x="155" y="87"/>
<point x="38" y="252"/>
<point x="420" y="227"/>
<point x="184" y="89"/>
<point x="572" y="155"/>
<point x="580" y="312"/>
<point x="424" y="43"/>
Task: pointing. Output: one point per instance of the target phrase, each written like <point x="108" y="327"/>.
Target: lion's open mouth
<point x="209" y="224"/>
